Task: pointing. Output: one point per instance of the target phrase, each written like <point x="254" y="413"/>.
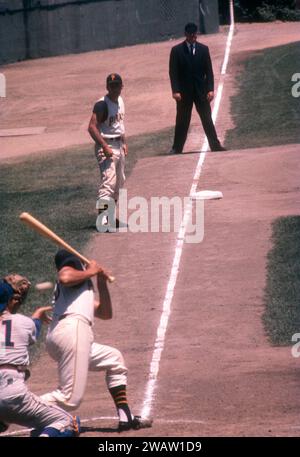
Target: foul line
<point x="162" y="328"/>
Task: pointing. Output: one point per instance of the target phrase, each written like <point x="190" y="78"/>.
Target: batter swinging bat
<point x="45" y="231"/>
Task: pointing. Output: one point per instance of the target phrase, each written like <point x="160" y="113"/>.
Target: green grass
<point x="282" y="294"/>
<point x="264" y="111"/>
<point x="60" y="190"/>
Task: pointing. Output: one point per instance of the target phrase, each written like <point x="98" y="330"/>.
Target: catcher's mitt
<point x="20" y="285"/>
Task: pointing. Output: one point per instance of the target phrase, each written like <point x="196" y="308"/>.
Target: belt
<point x="115" y="138"/>
<point x="18" y="368"/>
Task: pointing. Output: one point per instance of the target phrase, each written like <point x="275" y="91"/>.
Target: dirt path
<point x="58" y="93"/>
<point x="218" y="374"/>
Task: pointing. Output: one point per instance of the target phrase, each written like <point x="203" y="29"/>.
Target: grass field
<point x="264" y="111"/>
<point x="59" y="189"/>
<point x="282" y="293"/>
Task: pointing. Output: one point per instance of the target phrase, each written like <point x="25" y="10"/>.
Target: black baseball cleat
<point x="135" y="424"/>
<point x="218" y="148"/>
<point x="174" y="151"/>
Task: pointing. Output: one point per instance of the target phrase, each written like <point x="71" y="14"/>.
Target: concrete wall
<point x="54" y="27"/>
<point x="12" y="31"/>
<point x="209" y="16"/>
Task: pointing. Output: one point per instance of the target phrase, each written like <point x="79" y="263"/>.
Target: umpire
<point x="192" y="81"/>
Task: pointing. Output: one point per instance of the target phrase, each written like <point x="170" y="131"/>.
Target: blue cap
<point x="6" y="293"/>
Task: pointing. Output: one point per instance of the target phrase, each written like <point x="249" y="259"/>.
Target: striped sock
<point x="120" y="398"/>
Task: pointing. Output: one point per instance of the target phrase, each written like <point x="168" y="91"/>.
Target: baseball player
<point x="17" y="404"/>
<point x="106" y="127"/>
<point x="70" y="339"/>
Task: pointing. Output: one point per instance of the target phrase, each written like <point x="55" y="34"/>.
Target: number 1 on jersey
<point x="8" y="343"/>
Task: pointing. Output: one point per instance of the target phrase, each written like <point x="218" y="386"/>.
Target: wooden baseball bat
<point x="46" y="232"/>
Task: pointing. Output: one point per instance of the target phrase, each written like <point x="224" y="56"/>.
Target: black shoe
<point x="135" y="424"/>
<point x="218" y="148"/>
<point x="174" y="151"/>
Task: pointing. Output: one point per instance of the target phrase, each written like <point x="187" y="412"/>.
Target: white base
<point x="207" y="195"/>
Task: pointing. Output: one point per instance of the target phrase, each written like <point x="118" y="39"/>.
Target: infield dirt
<point x="218" y="376"/>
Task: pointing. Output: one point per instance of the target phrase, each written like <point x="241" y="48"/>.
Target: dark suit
<point x="192" y="76"/>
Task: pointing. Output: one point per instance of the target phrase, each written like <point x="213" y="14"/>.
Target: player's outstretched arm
<point x="103" y="308"/>
<point x="41" y="314"/>
<point x="39" y="317"/>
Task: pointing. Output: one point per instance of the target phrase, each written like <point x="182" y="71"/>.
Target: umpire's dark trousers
<point x="183" y="119"/>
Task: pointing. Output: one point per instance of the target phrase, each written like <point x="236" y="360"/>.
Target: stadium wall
<point x="41" y="28"/>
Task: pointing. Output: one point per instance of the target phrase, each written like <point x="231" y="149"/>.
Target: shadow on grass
<point x="282" y="293"/>
<point x="264" y="111"/>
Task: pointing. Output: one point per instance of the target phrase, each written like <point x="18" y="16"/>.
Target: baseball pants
<point x="70" y="344"/>
<point x="19" y="406"/>
<point x="112" y="171"/>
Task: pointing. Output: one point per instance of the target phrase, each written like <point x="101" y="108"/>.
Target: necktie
<point x="192" y="49"/>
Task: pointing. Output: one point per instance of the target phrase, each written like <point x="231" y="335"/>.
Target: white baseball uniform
<point x="112" y="175"/>
<point x="17" y="404"/>
<point x="70" y="343"/>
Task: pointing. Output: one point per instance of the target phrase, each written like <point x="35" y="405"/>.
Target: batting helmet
<point x="65" y="258"/>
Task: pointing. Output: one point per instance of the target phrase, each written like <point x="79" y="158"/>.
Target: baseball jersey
<point x="17" y="332"/>
<point x="114" y="113"/>
<point x="76" y="300"/>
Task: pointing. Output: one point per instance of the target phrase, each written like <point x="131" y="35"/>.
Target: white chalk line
<point x="163" y="324"/>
